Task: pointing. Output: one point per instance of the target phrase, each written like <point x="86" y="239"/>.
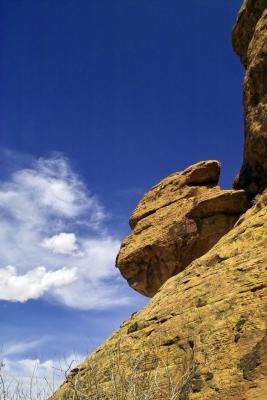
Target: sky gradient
<point x="99" y="101"/>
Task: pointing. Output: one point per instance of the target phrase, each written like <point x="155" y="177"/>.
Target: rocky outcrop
<point x="177" y="221"/>
<point x="202" y="336"/>
<point x="250" y="43"/>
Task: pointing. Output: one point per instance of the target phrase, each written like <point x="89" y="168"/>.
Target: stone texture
<point x="205" y="330"/>
<point x="250" y="43"/>
<point x="177" y="221"/>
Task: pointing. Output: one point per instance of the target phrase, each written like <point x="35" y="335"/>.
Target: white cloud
<point x="33" y="378"/>
<point x="34" y="283"/>
<point x="54" y="243"/>
<point x="63" y="243"/>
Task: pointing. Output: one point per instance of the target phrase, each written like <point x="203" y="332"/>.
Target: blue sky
<point x="99" y="101"/>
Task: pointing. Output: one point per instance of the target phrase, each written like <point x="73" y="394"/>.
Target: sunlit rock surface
<point x="205" y="329"/>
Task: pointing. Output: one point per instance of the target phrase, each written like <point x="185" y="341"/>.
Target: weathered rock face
<point x="250" y="42"/>
<point x="202" y="336"/>
<point x="177" y="221"/>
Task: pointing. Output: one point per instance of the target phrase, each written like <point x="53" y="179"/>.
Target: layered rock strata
<point x="202" y="336"/>
<point x="177" y="221"/>
<point x="250" y="43"/>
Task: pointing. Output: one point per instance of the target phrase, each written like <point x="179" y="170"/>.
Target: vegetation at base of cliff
<point x="136" y="386"/>
<point x="30" y="388"/>
<point x="139" y="382"/>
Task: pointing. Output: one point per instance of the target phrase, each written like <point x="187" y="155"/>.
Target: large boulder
<point x="250" y="43"/>
<point x="201" y="337"/>
<point x="177" y="221"/>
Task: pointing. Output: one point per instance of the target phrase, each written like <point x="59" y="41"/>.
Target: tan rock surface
<point x="250" y="42"/>
<point x="202" y="335"/>
<point x="177" y="221"/>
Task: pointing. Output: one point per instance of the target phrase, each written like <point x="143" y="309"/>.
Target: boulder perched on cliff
<point x="250" y="43"/>
<point x="202" y="336"/>
<point x="177" y="221"/>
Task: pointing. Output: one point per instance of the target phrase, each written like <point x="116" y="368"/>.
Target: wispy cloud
<point x="17" y="348"/>
<point x="53" y="239"/>
<point x="28" y="378"/>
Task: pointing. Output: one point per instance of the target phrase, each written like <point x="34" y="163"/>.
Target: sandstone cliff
<point x="205" y="329"/>
<point x="203" y="334"/>
<point x="250" y="42"/>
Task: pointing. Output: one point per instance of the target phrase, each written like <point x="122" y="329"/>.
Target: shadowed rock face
<point x="177" y="221"/>
<point x="250" y="43"/>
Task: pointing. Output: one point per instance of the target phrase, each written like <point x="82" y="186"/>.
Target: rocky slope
<point x="205" y="329"/>
<point x="250" y="42"/>
<point x="203" y="334"/>
<point x="177" y="221"/>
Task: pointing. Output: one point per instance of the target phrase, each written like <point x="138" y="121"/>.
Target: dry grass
<point x="32" y="387"/>
<point x="141" y="383"/>
<point x="136" y="382"/>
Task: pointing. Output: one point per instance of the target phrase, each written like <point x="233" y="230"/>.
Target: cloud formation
<point x="33" y="378"/>
<point x="63" y="243"/>
<point x="16" y="348"/>
<point x="27" y="377"/>
<point x="34" y="283"/>
<point x="54" y="243"/>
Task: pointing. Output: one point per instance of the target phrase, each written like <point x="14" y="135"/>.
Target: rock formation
<point x="203" y="335"/>
<point x="250" y="43"/>
<point x="177" y="221"/>
<point x="205" y="329"/>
